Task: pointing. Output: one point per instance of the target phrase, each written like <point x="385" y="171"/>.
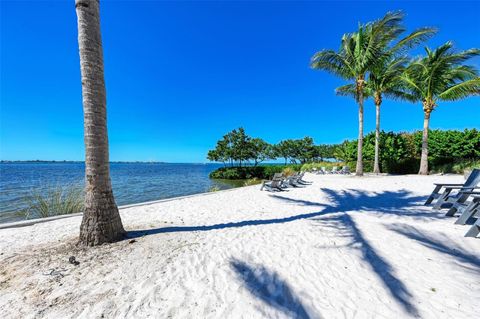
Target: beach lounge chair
<point x="295" y="180"/>
<point x="324" y="170"/>
<point x="474" y="230"/>
<point x="292" y="181"/>
<point x="345" y="170"/>
<point x="469" y="210"/>
<point x="443" y="197"/>
<point x="334" y="170"/>
<point x="274" y="184"/>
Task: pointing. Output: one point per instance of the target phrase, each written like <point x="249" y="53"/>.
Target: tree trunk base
<point x="101" y="222"/>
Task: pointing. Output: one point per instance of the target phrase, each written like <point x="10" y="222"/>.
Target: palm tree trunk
<point x="378" y="102"/>
<point x="359" y="168"/>
<point x="101" y="221"/>
<point x="424" y="158"/>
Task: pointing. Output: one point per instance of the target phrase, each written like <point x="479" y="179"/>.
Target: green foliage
<point x="288" y="171"/>
<point x="213" y="189"/>
<point x="250" y="172"/>
<point x="236" y="147"/>
<point x="56" y="200"/>
<point x="441" y="75"/>
<point x="252" y="181"/>
<point x="300" y="150"/>
<point x="400" y="152"/>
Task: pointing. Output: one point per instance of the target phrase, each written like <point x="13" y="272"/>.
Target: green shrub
<point x="249" y="172"/>
<point x="252" y="181"/>
<point x="213" y="189"/>
<point x="449" y="151"/>
<point x="56" y="200"/>
<point x="457" y="167"/>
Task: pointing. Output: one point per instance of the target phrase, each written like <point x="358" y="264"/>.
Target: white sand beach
<point x="342" y="247"/>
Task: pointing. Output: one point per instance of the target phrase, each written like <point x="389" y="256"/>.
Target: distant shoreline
<point x="82" y="162"/>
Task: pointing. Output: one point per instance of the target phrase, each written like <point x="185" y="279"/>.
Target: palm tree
<point x="384" y="80"/>
<point x="101" y="221"/>
<point x="369" y="50"/>
<point x="439" y="76"/>
<point x="358" y="53"/>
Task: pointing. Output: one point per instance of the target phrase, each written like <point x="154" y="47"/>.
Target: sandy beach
<point x="342" y="247"/>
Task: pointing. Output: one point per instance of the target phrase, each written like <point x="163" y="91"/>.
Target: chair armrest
<point x="471" y="193"/>
<point x="461" y="187"/>
<point x="440" y="184"/>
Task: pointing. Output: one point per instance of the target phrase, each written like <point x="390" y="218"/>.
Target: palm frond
<point x="399" y="95"/>
<point x="331" y="61"/>
<point x="461" y="90"/>
<point x="413" y="39"/>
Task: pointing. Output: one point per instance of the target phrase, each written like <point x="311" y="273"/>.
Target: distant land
<point x="78" y="162"/>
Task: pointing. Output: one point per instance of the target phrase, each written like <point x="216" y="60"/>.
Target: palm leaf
<point x="461" y="90"/>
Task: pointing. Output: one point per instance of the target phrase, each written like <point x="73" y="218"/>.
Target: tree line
<point x="236" y="148"/>
<point x="401" y="152"/>
<point x="375" y="62"/>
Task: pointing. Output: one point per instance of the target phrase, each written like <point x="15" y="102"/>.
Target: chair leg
<point x="474" y="230"/>
<point x="432" y="195"/>
<point x="467" y="213"/>
<point x="451" y="212"/>
<point x="442" y="200"/>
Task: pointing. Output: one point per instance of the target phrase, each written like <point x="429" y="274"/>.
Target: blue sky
<point x="181" y="74"/>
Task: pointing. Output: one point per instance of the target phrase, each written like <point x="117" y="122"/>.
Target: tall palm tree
<point x="358" y="53"/>
<point x="439" y="76"/>
<point x="384" y="80"/>
<point x="101" y="221"/>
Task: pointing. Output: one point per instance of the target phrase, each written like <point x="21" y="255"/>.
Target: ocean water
<point x="131" y="182"/>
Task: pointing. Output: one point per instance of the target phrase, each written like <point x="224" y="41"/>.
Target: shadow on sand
<point x="270" y="288"/>
<point x="439" y="243"/>
<point x="379" y="265"/>
<point x="352" y="200"/>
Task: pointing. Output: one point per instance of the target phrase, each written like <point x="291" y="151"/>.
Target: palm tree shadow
<point x="384" y="271"/>
<point x="244" y="223"/>
<point x="439" y="243"/>
<point x="391" y="203"/>
<point x="386" y="203"/>
<point x="270" y="288"/>
<point x="397" y="203"/>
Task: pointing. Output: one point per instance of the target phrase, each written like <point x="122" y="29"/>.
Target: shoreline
<point x="363" y="246"/>
<point x="30" y="222"/>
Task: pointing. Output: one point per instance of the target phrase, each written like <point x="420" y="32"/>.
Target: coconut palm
<point x="359" y="52"/>
<point x="439" y="76"/>
<point x="101" y="221"/>
<point x="384" y="80"/>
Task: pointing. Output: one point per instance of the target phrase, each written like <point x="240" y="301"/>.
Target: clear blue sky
<point x="181" y="74"/>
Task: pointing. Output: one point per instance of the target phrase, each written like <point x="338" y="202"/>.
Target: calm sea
<point x="131" y="182"/>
